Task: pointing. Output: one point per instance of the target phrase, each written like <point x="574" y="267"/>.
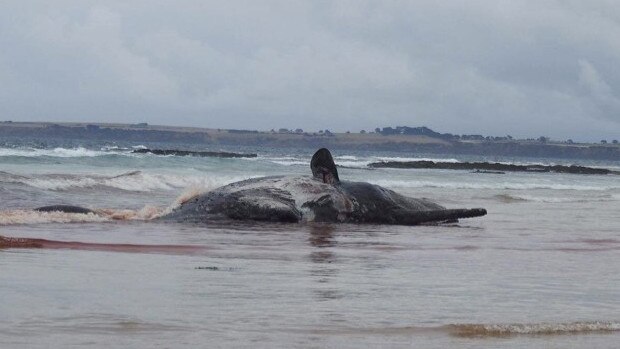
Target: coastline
<point x="430" y="144"/>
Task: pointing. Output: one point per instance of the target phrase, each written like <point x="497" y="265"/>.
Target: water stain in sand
<point x="9" y="242"/>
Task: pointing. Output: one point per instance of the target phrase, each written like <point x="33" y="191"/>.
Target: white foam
<point x="535" y="328"/>
<point x="406" y="159"/>
<point x="547" y="199"/>
<point x="346" y="157"/>
<point x="115" y="149"/>
<point x="342" y="160"/>
<point x="186" y="195"/>
<point x="145" y="213"/>
<point x="354" y="164"/>
<point x="11" y="217"/>
<point x="56" y="152"/>
<point x="280" y="160"/>
<point x="149" y="182"/>
<point x="60" y="183"/>
<point x="558" y="200"/>
<point x="289" y="162"/>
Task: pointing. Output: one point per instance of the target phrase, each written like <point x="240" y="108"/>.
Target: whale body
<point x="321" y="197"/>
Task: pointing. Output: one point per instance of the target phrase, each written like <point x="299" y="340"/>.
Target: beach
<point x="540" y="270"/>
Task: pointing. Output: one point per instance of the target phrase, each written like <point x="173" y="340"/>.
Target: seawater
<point x="540" y="270"/>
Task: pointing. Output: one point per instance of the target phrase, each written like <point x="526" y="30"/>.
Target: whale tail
<point x="447" y="215"/>
<point x="323" y="167"/>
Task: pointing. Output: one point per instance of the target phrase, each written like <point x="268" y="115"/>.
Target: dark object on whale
<point x="213" y="154"/>
<point x="64" y="208"/>
<point x="321" y="198"/>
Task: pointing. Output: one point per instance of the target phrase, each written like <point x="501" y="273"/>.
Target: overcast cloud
<point x="524" y="68"/>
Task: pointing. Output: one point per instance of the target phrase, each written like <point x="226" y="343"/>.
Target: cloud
<point x="602" y="97"/>
<point x="492" y="67"/>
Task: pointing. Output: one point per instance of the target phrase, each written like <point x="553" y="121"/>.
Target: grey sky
<point x="525" y="68"/>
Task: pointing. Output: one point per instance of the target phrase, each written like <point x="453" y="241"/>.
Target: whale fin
<point x="323" y="167"/>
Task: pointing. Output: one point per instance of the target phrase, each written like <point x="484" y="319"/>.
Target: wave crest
<point x="55" y="152"/>
<point x="136" y="181"/>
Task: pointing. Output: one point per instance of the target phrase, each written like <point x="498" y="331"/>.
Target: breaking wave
<point x="55" y="152"/>
<point x="136" y="181"/>
<point x="287" y="161"/>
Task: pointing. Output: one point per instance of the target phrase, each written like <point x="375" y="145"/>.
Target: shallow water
<point x="540" y="270"/>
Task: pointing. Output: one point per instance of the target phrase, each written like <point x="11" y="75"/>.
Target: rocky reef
<point x="493" y="167"/>
<point x="175" y="152"/>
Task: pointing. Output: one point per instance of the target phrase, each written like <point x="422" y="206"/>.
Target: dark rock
<point x="214" y="154"/>
<point x="490" y="172"/>
<point x="495" y="167"/>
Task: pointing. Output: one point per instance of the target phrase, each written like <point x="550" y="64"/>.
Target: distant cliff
<point x="137" y="133"/>
<point x="401" y="139"/>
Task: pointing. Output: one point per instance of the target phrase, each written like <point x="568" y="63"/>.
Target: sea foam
<point x="11" y="217"/>
<point x="497" y="330"/>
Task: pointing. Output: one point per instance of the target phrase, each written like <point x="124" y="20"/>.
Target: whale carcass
<point x="322" y="197"/>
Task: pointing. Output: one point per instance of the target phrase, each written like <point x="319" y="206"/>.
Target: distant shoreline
<point x="429" y="144"/>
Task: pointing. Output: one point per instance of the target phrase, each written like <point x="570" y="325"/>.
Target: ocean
<point x="540" y="270"/>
